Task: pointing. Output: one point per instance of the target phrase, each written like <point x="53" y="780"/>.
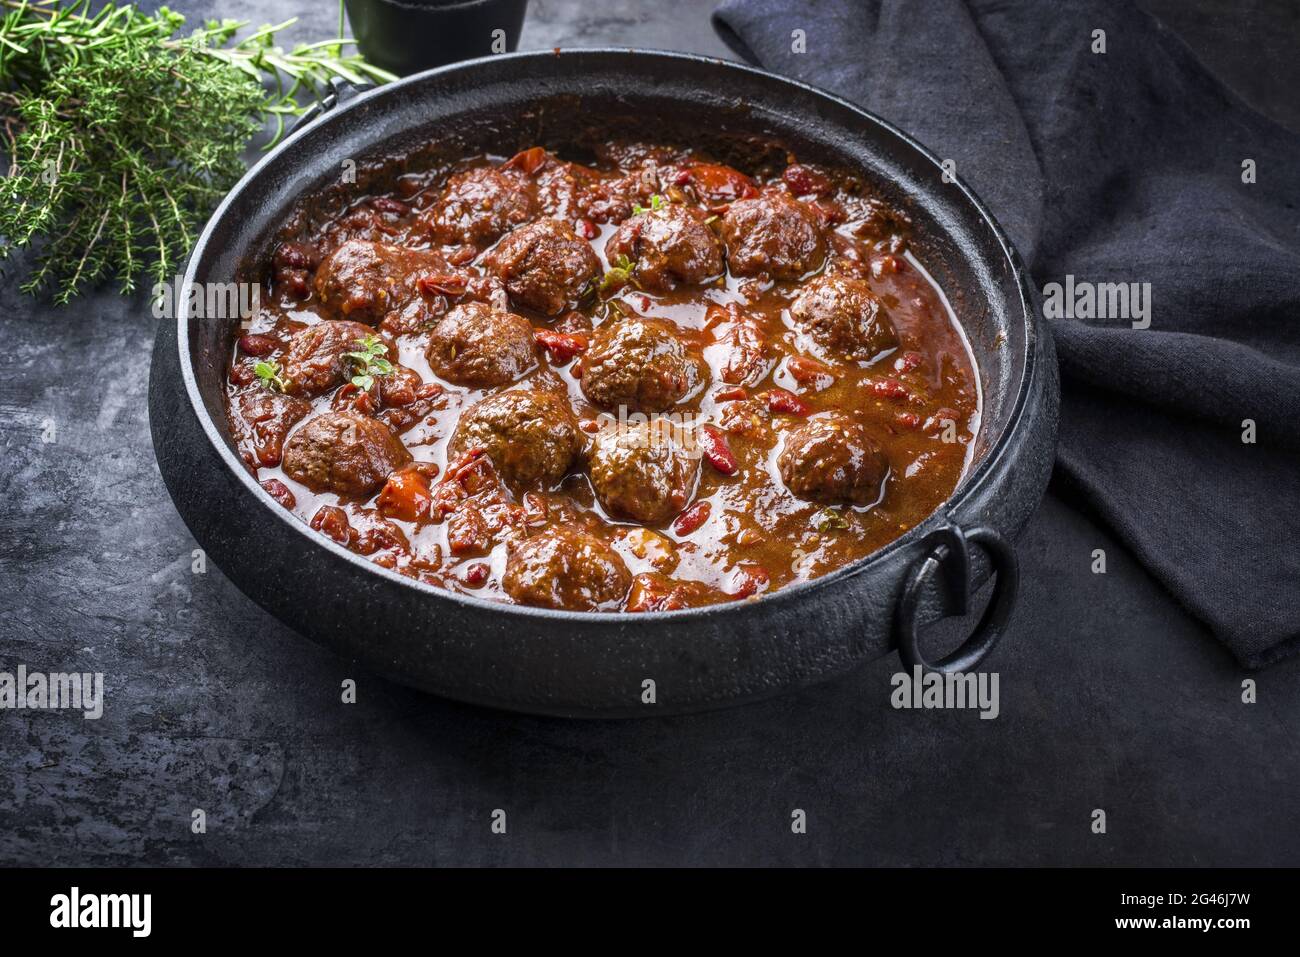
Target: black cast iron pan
<point x="587" y="664"/>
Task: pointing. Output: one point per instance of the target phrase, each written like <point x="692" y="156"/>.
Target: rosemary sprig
<point x="122" y="134"/>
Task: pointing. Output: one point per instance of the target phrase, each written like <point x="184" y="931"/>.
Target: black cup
<point x="412" y="35"/>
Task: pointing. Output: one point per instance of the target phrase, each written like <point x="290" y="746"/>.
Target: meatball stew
<point x="645" y="383"/>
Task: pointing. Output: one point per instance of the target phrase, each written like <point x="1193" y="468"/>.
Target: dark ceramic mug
<point x="406" y="36"/>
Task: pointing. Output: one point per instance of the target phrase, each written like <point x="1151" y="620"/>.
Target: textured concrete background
<point x="1111" y="696"/>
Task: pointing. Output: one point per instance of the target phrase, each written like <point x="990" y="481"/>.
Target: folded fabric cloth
<point x="1132" y="165"/>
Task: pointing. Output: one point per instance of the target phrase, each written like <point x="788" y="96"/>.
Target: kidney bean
<point x="717" y="450"/>
<point x="254" y="344"/>
<point x="804" y="180"/>
<point x="807" y="371"/>
<point x="890" y="389"/>
<point x="476" y="574"/>
<point x="692" y="518"/>
<point x="783" y="401"/>
<point x="295" y="255"/>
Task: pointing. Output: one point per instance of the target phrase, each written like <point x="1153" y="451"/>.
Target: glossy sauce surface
<point x="454" y="521"/>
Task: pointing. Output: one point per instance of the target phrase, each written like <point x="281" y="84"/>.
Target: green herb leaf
<point x="656" y="202"/>
<point x="830" y="520"/>
<point x="369" y="361"/>
<point x="269" y="373"/>
<point x="617" y="276"/>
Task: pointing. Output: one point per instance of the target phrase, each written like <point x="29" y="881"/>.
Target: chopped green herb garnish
<point x="617" y="276"/>
<point x="269" y="373"/>
<point x="656" y="201"/>
<point x="830" y="520"/>
<point x="370" y="362"/>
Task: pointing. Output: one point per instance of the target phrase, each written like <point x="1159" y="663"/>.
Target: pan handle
<point x="947" y="554"/>
<point x="341" y="91"/>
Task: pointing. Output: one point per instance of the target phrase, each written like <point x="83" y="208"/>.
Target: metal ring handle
<point x="341" y="91"/>
<point x="948" y="554"/>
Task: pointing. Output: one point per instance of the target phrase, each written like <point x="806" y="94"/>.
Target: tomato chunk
<point x="720" y="184"/>
<point x="529" y="161"/>
<point x="280" y="492"/>
<point x="562" y="346"/>
<point x="446" y="284"/>
<point x="406" y="496"/>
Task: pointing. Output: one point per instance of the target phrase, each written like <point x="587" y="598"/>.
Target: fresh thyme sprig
<point x="269" y="373"/>
<point x="122" y="135"/>
<point x="369" y="362"/>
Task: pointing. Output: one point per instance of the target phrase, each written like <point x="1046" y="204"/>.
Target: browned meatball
<point x="844" y="318"/>
<point x="479" y="346"/>
<point x="833" y="459"/>
<point x="567" y="569"/>
<point x="317" y="357"/>
<point x="545" y="265"/>
<point x="669" y="245"/>
<point x="772" y="234"/>
<point x="345" y="453"/>
<point x="480" y="205"/>
<point x="643" y="472"/>
<point x="365" y="281"/>
<point x="638" y="363"/>
<point x="530" y="436"/>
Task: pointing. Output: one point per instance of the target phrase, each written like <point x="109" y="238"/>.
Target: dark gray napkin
<point x="1123" y="166"/>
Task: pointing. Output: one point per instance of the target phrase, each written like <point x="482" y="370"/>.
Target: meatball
<point x="643" y="472"/>
<point x="480" y="205"/>
<point x="833" y="459"/>
<point x="544" y="265"/>
<point x="565" y="568"/>
<point x="345" y="453"/>
<point x="317" y="357"/>
<point x="844" y="318"/>
<point x="669" y="245"/>
<point x="530" y="436"/>
<point x="772" y="234"/>
<point x="476" y="345"/>
<point x="365" y="281"/>
<point x="640" y="364"/>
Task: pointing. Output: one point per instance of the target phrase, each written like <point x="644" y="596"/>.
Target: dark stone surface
<point x="1111" y="696"/>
